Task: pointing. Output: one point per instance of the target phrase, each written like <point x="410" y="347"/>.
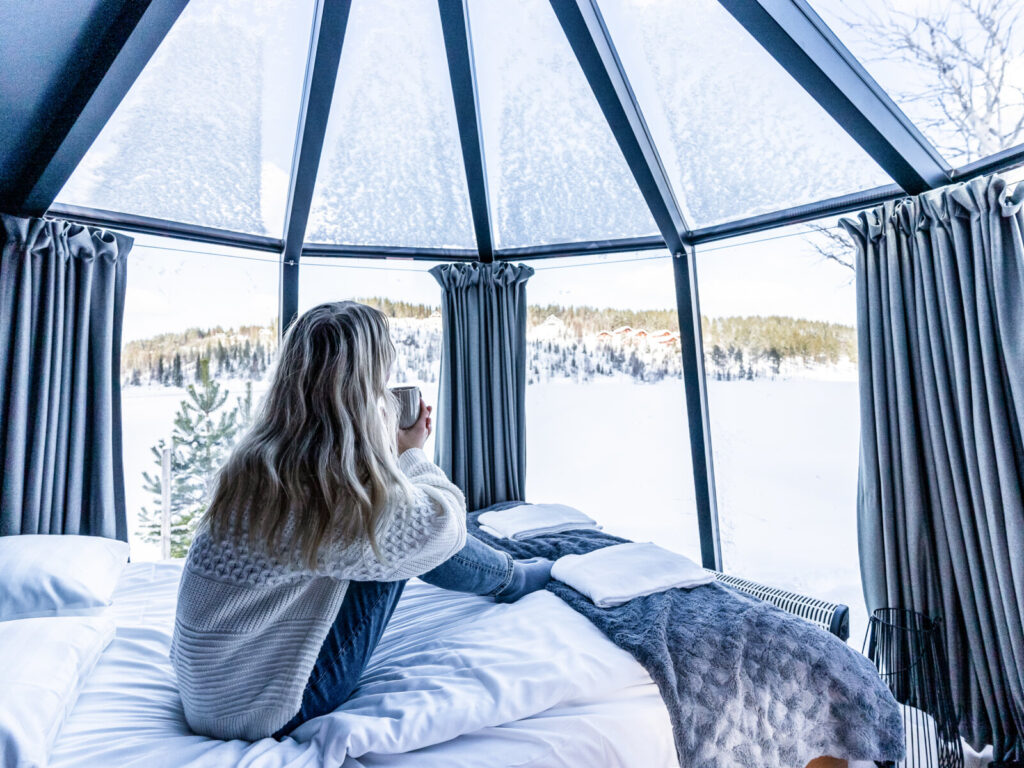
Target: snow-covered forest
<point x="564" y="343"/>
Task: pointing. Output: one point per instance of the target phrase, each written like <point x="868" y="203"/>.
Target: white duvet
<point x="456" y="680"/>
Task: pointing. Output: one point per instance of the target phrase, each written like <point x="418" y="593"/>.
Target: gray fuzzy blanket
<point x="746" y="684"/>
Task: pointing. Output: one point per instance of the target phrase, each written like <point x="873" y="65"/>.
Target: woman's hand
<point x="416" y="435"/>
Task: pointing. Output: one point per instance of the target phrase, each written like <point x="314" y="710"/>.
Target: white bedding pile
<point x="54" y="592"/>
<point x="457" y="680"/>
<point x="58" y="575"/>
<point x="622" y="572"/>
<point x="528" y="520"/>
<point x="43" y="664"/>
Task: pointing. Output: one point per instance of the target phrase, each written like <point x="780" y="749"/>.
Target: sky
<point x="173" y="285"/>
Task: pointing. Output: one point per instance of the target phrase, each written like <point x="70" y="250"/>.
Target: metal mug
<point x="408" y="405"/>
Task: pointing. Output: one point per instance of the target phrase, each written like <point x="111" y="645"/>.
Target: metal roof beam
<point x="90" y="100"/>
<point x="587" y="34"/>
<point x="799" y="214"/>
<point x="129" y="222"/>
<point x="459" y="49"/>
<point x="1005" y="160"/>
<point x="585" y="29"/>
<point x="330" y="23"/>
<point x="585" y="248"/>
<point x="803" y="44"/>
<point x="391" y="252"/>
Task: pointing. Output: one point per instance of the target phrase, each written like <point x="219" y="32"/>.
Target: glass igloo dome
<point x="494" y="129"/>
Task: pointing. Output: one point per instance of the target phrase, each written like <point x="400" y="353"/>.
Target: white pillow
<point x="58" y="575"/>
<point x="43" y="664"/>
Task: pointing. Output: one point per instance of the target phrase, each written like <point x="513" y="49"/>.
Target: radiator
<point x="832" y="617"/>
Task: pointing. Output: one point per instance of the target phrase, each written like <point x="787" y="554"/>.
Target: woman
<point x="318" y="518"/>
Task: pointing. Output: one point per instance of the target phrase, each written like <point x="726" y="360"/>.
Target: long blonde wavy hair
<point x="322" y="447"/>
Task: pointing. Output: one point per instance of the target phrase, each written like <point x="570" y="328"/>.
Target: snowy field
<point x="785" y="460"/>
<point x="785" y="463"/>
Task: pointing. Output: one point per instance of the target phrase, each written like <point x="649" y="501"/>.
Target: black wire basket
<point x="907" y="650"/>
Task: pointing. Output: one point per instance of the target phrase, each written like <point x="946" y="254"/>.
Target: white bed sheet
<point x="457" y="680"/>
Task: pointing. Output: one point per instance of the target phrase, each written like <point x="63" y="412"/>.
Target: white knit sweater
<point x="249" y="627"/>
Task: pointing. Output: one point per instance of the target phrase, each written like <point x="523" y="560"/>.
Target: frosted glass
<point x="737" y="135"/>
<point x="391" y="172"/>
<point x="957" y="75"/>
<point x="555" y="173"/>
<point x="205" y="136"/>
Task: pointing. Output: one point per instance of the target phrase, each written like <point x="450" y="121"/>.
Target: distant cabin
<point x="660" y="335"/>
<point x="551" y="329"/>
<point x="604" y="335"/>
<point x="623" y="331"/>
<point x="641" y="334"/>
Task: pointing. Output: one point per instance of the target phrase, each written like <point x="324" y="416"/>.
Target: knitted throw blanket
<point x="746" y="684"/>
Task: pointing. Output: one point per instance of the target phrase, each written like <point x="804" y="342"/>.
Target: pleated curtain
<point x="61" y="306"/>
<point x="940" y="303"/>
<point x="481" y="422"/>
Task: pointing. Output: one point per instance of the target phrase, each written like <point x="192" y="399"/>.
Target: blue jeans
<point x="476" y="568"/>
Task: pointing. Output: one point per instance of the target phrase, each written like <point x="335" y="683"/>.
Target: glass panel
<point x="605" y="412"/>
<point x="206" y="134"/>
<point x="736" y="133"/>
<point x="392" y="172"/>
<point x="405" y="292"/>
<point x="956" y="69"/>
<point x="780" y="352"/>
<point x="187" y="303"/>
<point x="555" y="173"/>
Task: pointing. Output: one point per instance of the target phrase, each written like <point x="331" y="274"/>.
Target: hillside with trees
<point x="576" y="343"/>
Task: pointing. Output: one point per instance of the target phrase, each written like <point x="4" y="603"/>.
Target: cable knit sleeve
<point x="418" y="536"/>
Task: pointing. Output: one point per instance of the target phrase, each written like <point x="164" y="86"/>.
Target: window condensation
<point x="392" y="171"/>
<point x="555" y="172"/>
<point x="205" y="135"/>
<point x="737" y="134"/>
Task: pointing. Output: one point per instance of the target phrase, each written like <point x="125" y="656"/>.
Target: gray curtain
<point x="940" y="305"/>
<point x="481" y="420"/>
<point x="61" y="306"/>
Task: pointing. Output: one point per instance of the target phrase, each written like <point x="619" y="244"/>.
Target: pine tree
<point x="177" y="375"/>
<point x="244" y="410"/>
<point x="204" y="432"/>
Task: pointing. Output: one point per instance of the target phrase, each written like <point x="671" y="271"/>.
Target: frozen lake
<point x="785" y="462"/>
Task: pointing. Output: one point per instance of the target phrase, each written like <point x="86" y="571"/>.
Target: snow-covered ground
<point x="785" y="461"/>
<point x="786" y="457"/>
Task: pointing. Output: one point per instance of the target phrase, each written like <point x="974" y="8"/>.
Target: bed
<point x="568" y="696"/>
<point x="457" y="680"/>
